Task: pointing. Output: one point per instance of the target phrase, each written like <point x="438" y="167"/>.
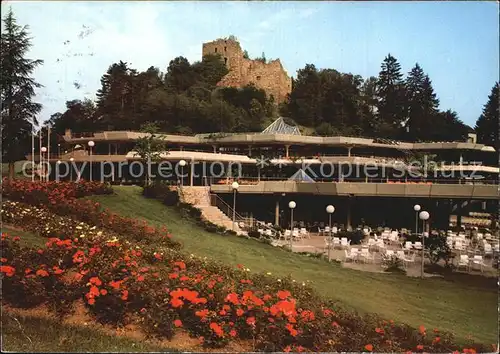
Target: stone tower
<point x="270" y="76"/>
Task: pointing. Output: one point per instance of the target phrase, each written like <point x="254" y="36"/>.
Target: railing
<point x="255" y="180"/>
<point x="218" y="202"/>
<point x="249" y="222"/>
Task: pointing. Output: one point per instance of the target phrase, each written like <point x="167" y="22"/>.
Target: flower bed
<point x="162" y="290"/>
<point x="125" y="274"/>
<point x="62" y="199"/>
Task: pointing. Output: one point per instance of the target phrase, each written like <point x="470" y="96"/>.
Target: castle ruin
<point x="271" y="76"/>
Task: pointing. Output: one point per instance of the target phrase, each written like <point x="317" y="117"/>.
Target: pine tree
<point x="17" y="91"/>
<point x="487" y="125"/>
<point x="391" y="93"/>
<point x="421" y="105"/>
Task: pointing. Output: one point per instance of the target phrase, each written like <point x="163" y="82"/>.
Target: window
<point x="258" y="78"/>
<point x="225" y="60"/>
<point x="225" y="49"/>
<point x="215" y="49"/>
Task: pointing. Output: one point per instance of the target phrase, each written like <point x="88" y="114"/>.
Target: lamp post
<point x="71" y="169"/>
<point x="182" y="163"/>
<point x="424" y="216"/>
<point x="330" y="209"/>
<point x="417" y="208"/>
<point x="235" y="187"/>
<point x="91" y="145"/>
<point x="59" y="162"/>
<point x="292" y="206"/>
<point x="42" y="175"/>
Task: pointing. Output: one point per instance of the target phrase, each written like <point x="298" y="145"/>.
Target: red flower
<point x="217" y="329"/>
<point x="173" y="276"/>
<point x="91" y="301"/>
<point x="176" y="302"/>
<point x="251" y="321"/>
<point x="287" y="349"/>
<point x="104" y="292"/>
<point x="140" y="278"/>
<point x="369" y="347"/>
<point x="3" y="260"/>
<point x="232" y="333"/>
<point x="283" y="294"/>
<point x="42" y="273"/>
<point x="239" y="312"/>
<point x="232" y="298"/>
<point x="379" y="330"/>
<point x="420" y="347"/>
<point x="95" y="281"/>
<point x="293" y="331"/>
<point x="8" y="270"/>
<point x="436" y="340"/>
<point x="421" y="329"/>
<point x="180" y="264"/>
<point x="202" y="313"/>
<point x="178" y="323"/>
<point x="124" y="296"/>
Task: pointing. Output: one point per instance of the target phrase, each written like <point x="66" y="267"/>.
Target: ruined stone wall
<point x="270" y="77"/>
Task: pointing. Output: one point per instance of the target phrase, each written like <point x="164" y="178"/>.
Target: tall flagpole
<point x="48" y="151"/>
<point x="40" y="155"/>
<point x="32" y="152"/>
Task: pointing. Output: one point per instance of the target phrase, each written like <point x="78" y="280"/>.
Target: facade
<point x="270" y="76"/>
<point x="365" y="178"/>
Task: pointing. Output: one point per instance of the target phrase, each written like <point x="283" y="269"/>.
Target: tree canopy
<point x="17" y="91"/>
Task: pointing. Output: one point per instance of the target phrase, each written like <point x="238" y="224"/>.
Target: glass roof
<point x="280" y="127"/>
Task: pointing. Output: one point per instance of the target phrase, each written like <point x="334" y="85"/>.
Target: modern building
<point x="368" y="179"/>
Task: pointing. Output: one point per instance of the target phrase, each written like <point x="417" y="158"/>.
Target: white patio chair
<point x="478" y="261"/>
<point x="336" y="242"/>
<point x="304" y="232"/>
<point x="418" y="245"/>
<point x="400" y="255"/>
<point x="269" y="233"/>
<point x="296" y="235"/>
<point x="488" y="250"/>
<point x="326" y="231"/>
<point x="366" y="232"/>
<point x="371" y="243"/>
<point x="408" y="246"/>
<point x="349" y="256"/>
<point x="334" y="230"/>
<point x="409" y="260"/>
<point x="463" y="261"/>
<point x="366" y="255"/>
<point x="344" y="243"/>
<point x="288" y="234"/>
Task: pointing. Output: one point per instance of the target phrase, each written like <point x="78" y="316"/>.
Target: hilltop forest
<point x="186" y="100"/>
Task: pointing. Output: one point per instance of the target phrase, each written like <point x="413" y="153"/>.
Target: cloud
<point x="78" y="42"/>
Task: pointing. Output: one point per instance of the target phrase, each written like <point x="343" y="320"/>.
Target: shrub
<point x="254" y="234"/>
<point x="438" y="249"/>
<point x="356" y="237"/>
<point x="393" y="264"/>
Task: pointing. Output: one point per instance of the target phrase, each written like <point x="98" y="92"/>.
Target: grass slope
<point x="462" y="309"/>
<point x="48" y="335"/>
<point x="28" y="239"/>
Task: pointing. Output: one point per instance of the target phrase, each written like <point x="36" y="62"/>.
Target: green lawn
<point x="456" y="307"/>
<point x="33" y="334"/>
<point x="27" y="238"/>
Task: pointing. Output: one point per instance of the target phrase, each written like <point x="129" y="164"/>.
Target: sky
<point x="456" y="43"/>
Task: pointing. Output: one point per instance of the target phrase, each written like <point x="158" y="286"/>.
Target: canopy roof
<point x="280" y="127"/>
<point x="301" y="176"/>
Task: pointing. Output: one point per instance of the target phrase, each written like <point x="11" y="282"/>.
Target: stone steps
<point x="199" y="197"/>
